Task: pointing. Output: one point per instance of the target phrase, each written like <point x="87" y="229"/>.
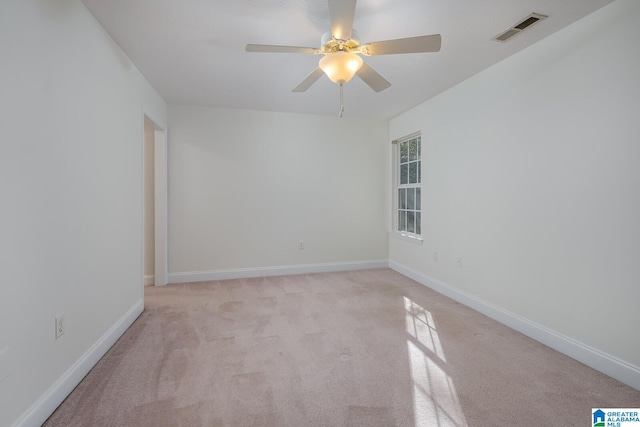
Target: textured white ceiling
<point x="192" y="51"/>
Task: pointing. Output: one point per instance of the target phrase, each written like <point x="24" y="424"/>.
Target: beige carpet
<point x="366" y="348"/>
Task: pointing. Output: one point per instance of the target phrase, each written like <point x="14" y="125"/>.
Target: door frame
<point x="160" y="199"/>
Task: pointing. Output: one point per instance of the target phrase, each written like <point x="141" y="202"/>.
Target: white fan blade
<point x="341" y="13"/>
<point x="309" y="80"/>
<point x="268" y="48"/>
<point x="419" y="44"/>
<point x="372" y="78"/>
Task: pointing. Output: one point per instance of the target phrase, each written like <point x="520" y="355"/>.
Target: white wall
<point x="531" y="175"/>
<point x="71" y="108"/>
<point x="246" y="186"/>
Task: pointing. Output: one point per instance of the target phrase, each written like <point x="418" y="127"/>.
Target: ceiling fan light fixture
<point x="340" y="66"/>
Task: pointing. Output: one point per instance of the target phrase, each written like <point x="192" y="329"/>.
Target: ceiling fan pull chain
<point x="341" y="101"/>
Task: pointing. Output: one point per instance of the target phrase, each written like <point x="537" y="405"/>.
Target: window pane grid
<point x="409" y="191"/>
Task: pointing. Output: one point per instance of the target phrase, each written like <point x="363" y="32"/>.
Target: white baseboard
<point x="42" y="408"/>
<point x="597" y="359"/>
<point x="149" y="279"/>
<point x="243" y="273"/>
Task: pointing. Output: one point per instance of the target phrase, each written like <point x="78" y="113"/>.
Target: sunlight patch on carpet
<point x="435" y="401"/>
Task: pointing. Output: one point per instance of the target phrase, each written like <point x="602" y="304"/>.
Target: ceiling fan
<point x="340" y="47"/>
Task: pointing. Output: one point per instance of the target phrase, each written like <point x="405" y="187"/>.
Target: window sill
<point x="416" y="240"/>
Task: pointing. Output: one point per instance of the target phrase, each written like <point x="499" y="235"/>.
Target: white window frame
<point x="413" y="237"/>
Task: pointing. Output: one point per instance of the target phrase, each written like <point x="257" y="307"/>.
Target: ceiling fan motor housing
<point x="330" y="44"/>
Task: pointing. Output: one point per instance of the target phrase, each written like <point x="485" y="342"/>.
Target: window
<point x="408" y="185"/>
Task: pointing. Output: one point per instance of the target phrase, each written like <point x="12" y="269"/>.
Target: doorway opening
<point x="154" y="203"/>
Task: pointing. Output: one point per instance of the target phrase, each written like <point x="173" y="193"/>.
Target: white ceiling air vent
<point x="519" y="27"/>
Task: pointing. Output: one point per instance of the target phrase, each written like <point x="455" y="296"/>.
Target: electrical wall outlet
<point x="301" y="245"/>
<point x="435" y="256"/>
<point x="60" y="326"/>
<point x="459" y="262"/>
